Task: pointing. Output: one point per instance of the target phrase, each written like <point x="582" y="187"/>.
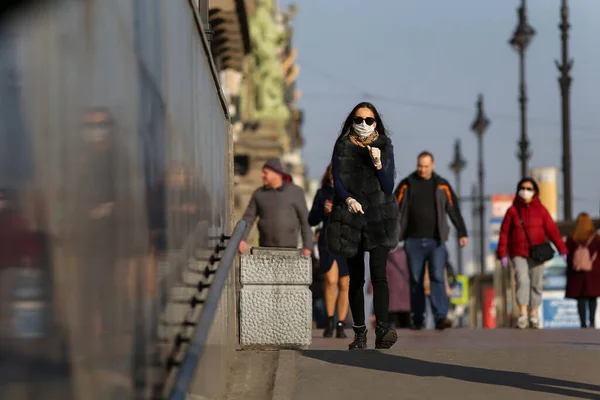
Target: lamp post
<point x="520" y="41"/>
<point x="479" y="126"/>
<point x="475" y="214"/>
<point x="564" y="67"/>
<point x="457" y="165"/>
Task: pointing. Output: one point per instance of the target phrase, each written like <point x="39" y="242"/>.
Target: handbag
<point x="539" y="253"/>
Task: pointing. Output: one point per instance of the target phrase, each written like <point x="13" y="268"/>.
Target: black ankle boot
<point x="385" y="336"/>
<point x="328" y="328"/>
<point x="360" y="338"/>
<point x="339" y="331"/>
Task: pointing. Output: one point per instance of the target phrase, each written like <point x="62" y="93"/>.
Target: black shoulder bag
<point x="539" y="253"/>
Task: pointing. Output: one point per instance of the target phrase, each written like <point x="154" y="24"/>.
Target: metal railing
<point x="195" y="349"/>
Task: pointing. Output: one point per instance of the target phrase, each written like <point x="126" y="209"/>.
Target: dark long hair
<point x="327" y="176"/>
<point x="348" y="122"/>
<point x="536" y="188"/>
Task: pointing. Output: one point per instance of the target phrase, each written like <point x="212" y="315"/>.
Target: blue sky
<point x="423" y="64"/>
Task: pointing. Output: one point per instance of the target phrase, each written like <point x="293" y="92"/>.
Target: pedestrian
<point x="318" y="286"/>
<point x="451" y="278"/>
<point x="424" y="200"/>
<point x="399" y="284"/>
<point x="334" y="268"/>
<point x="399" y="287"/>
<point x="281" y="207"/>
<point x="523" y="234"/>
<point x="583" y="269"/>
<point x="448" y="288"/>
<point x="364" y="216"/>
<point x="451" y="282"/>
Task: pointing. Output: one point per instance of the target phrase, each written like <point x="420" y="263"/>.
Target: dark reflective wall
<point x="113" y="142"/>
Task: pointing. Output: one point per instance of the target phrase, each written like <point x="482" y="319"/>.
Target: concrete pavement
<point x="455" y="364"/>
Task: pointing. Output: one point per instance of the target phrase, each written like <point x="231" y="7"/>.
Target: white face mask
<point x="526" y="194"/>
<point x="363" y="130"/>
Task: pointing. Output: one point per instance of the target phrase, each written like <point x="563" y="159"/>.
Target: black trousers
<point x="400" y="319"/>
<point x="381" y="294"/>
<point x="583" y="304"/>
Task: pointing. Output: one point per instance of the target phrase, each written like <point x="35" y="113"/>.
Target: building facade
<point x="258" y="75"/>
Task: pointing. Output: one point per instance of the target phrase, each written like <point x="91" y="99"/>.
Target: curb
<point x="285" y="376"/>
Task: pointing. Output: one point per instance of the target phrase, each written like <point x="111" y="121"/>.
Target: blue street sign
<point x="495" y="224"/>
<point x="559" y="313"/>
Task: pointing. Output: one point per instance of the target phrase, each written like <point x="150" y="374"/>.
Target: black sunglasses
<point x="527" y="189"/>
<point x="368" y="120"/>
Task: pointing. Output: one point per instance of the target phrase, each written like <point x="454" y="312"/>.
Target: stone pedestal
<point x="275" y="301"/>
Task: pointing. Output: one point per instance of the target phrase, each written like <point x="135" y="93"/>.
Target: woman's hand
<point x="354" y="206"/>
<point x="328" y="206"/>
<point x="375" y="154"/>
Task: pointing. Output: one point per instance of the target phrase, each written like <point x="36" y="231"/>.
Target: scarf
<point x="363" y="142"/>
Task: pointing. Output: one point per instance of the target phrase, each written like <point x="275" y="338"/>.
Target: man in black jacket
<point x="424" y="199"/>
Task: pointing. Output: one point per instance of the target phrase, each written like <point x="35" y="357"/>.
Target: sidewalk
<point x="455" y="364"/>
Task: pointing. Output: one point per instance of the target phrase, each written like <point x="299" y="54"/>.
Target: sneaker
<point x="340" y="330"/>
<point x="443" y="323"/>
<point x="360" y="338"/>
<point x="522" y="322"/>
<point x="385" y="336"/>
<point x="534" y="321"/>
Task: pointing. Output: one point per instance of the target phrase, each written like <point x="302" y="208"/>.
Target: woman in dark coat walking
<point x="584" y="286"/>
<point x="364" y="216"/>
<point x="334" y="268"/>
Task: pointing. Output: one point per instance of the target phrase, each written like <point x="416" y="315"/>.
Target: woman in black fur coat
<point x="364" y="216"/>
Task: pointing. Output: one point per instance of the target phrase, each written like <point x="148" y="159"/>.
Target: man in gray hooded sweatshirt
<point x="281" y="208"/>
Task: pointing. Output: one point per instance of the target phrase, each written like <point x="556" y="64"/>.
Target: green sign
<point x="460" y="292"/>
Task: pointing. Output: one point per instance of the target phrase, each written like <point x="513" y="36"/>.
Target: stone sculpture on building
<point x="267" y="40"/>
<point x="267" y="122"/>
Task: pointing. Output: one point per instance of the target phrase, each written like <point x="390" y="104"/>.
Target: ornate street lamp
<point x="564" y="81"/>
<point x="457" y="165"/>
<point x="479" y="126"/>
<point x="520" y="41"/>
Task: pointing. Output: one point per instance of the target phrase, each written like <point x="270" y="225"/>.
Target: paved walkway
<point x="455" y="364"/>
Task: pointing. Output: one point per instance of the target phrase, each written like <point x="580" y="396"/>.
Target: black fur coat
<point x="348" y="233"/>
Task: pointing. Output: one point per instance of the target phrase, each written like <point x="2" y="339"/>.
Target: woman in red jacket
<point x="513" y="243"/>
<point x="584" y="286"/>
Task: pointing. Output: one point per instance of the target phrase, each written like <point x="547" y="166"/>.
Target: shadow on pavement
<point x="371" y="359"/>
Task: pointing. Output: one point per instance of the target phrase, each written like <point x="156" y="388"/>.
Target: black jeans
<point x="582" y="305"/>
<point x="381" y="294"/>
